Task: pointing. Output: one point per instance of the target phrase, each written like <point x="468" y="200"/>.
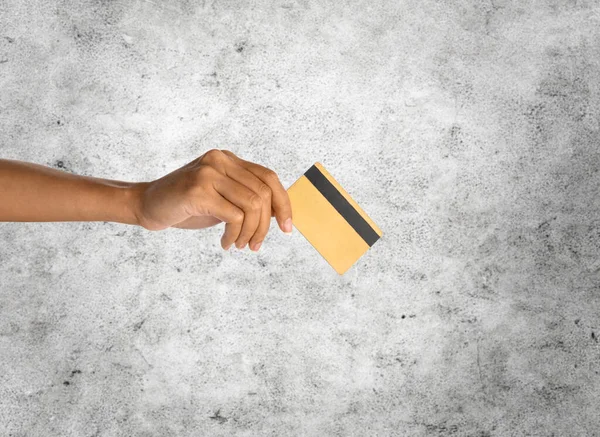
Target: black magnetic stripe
<point x="339" y="202"/>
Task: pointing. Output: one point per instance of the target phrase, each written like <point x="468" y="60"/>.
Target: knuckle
<point x="213" y="155"/>
<point x="255" y="202"/>
<point x="270" y="175"/>
<point x="204" y="172"/>
<point x="238" y="217"/>
<point x="199" y="182"/>
<point x="264" y="191"/>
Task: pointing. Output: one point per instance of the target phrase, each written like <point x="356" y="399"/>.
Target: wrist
<point x="134" y="194"/>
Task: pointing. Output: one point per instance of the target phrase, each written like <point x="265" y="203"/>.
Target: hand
<point x="217" y="187"/>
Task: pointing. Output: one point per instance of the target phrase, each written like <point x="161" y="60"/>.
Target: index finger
<point x="280" y="201"/>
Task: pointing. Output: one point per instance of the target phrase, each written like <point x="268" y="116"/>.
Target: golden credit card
<point x="330" y="219"/>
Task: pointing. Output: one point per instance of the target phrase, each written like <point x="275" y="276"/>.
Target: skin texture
<point x="216" y="187"/>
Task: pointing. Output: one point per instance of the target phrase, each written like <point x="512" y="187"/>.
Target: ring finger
<point x="247" y="178"/>
<point x="247" y="200"/>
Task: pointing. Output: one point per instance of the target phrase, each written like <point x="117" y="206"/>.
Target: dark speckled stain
<point x="62" y="165"/>
<point x="217" y="416"/>
<point x="568" y="92"/>
<point x="554" y="345"/>
<point x="39" y="330"/>
<point x="545" y="224"/>
<point x="9" y="39"/>
<point x="455" y="142"/>
<point x="209" y="260"/>
<point x="74" y="372"/>
<point x="442" y="429"/>
<point x="138" y="325"/>
<point x="551" y="393"/>
<point x="211" y="80"/>
<point x="86" y="38"/>
<point x="240" y="47"/>
<point x="536" y="114"/>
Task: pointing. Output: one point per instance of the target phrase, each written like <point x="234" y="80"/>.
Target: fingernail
<point x="256" y="246"/>
<point x="287" y="226"/>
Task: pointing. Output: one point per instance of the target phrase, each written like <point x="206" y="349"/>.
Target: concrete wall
<point x="468" y="130"/>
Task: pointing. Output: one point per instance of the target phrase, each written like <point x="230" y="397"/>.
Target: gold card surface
<point x="330" y="219"/>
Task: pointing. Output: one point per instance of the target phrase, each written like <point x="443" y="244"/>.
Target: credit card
<point x="330" y="219"/>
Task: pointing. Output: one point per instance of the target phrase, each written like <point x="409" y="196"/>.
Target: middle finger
<point x="247" y="178"/>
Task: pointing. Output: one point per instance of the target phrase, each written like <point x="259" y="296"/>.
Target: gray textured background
<point x="468" y="130"/>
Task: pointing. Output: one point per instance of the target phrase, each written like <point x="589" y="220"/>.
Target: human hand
<point x="217" y="187"/>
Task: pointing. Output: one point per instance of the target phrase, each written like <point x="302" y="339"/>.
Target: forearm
<point x="35" y="193"/>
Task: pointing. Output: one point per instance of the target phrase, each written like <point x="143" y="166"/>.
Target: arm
<point x="216" y="187"/>
<point x="35" y="193"/>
